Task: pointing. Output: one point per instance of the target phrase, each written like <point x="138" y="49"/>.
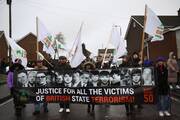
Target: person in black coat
<point x="63" y="67"/>
<point x="161" y="77"/>
<point x="16" y="67"/>
<point x="126" y="79"/>
<point x="135" y="60"/>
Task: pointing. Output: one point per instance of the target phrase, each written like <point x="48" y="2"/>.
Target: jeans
<point x="38" y="105"/>
<point x="163" y="102"/>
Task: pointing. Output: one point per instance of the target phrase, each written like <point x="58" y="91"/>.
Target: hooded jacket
<point x="172" y="68"/>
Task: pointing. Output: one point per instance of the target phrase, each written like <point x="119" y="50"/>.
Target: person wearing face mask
<point x="161" y="78"/>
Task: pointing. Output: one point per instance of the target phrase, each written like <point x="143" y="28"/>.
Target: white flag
<point x="17" y="51"/>
<point x="45" y="37"/>
<point x="153" y="25"/>
<point x="121" y="50"/>
<point x="119" y="43"/>
<point x="78" y="56"/>
<point x="115" y="37"/>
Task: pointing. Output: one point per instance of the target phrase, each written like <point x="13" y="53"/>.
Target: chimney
<point x="179" y="12"/>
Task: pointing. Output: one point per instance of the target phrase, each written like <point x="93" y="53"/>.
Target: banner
<point x="125" y="85"/>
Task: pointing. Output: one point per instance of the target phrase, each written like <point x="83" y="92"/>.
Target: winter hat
<point x="160" y="58"/>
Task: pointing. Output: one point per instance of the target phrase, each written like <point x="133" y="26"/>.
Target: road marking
<point x="6" y="102"/>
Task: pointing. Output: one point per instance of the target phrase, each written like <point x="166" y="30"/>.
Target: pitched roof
<point x="30" y="33"/>
<point x="170" y="23"/>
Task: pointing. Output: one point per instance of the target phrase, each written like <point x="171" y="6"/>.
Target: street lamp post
<point x="10" y="27"/>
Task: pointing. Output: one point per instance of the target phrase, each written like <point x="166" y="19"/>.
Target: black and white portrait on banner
<point x="31" y="78"/>
<point x="76" y="79"/>
<point x="136" y="76"/>
<point x="85" y="78"/>
<point x="95" y="78"/>
<point x="104" y="78"/>
<point x="115" y="77"/>
<point x="22" y="79"/>
<point x="125" y="77"/>
<point x="41" y="79"/>
<point x="147" y="76"/>
<point x="68" y="78"/>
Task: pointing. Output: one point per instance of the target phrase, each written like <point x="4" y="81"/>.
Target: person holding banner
<point x="87" y="82"/>
<point x="64" y="66"/>
<point x="136" y="62"/>
<point x="17" y="66"/>
<point x="41" y="77"/>
<point x="126" y="81"/>
<point x="161" y="77"/>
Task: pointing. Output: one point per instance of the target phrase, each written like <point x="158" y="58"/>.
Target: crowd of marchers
<point x="166" y="73"/>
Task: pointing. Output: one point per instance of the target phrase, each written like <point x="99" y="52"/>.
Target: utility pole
<point x="10" y="28"/>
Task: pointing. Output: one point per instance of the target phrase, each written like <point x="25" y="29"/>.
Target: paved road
<point x="79" y="112"/>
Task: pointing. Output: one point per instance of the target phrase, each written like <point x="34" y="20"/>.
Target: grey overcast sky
<point x="66" y="16"/>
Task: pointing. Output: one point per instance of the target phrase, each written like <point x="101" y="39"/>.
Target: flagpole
<point x="106" y="49"/>
<point x="43" y="58"/>
<point x="143" y="35"/>
<point x="48" y="62"/>
<point x="37" y="44"/>
<point x="148" y="51"/>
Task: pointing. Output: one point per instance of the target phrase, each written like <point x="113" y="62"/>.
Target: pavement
<point x="4" y="90"/>
<point x="4" y="93"/>
<point x="79" y="112"/>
